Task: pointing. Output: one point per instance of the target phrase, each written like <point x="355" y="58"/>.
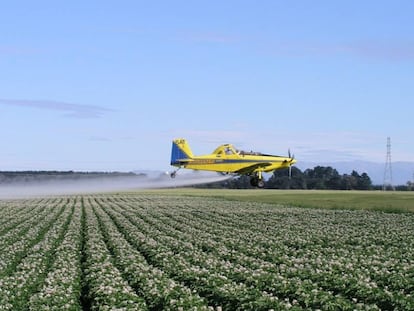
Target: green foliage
<point x="215" y="249"/>
<point x="384" y="201"/>
<point x="320" y="177"/>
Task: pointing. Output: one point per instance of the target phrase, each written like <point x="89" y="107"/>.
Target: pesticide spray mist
<point x="35" y="188"/>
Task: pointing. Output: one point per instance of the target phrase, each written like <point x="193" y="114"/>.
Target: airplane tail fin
<point x="180" y="151"/>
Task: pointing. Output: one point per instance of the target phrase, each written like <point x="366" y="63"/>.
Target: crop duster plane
<point x="226" y="159"/>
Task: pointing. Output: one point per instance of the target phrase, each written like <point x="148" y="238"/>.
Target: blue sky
<point x="106" y="85"/>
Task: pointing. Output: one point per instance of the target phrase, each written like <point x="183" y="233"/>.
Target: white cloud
<point x="210" y="37"/>
<point x="368" y="49"/>
<point x="70" y="110"/>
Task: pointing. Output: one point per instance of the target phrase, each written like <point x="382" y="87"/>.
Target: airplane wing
<point x="252" y="168"/>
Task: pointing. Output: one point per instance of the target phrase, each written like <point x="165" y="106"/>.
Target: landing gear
<point x="257" y="180"/>
<point x="173" y="174"/>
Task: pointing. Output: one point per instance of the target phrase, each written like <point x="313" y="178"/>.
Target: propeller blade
<point x="290" y="171"/>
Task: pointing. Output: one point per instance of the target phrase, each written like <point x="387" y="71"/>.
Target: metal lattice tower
<point x="388" y="169"/>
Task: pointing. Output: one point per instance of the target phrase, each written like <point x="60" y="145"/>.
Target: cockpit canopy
<point x="228" y="149"/>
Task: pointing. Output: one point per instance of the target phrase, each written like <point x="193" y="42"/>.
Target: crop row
<point x="296" y="262"/>
<point x="29" y="262"/>
<point x="150" y="252"/>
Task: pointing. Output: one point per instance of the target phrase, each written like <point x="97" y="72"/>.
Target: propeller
<point x="291" y="157"/>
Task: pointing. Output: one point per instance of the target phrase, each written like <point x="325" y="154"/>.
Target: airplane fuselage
<point x="227" y="159"/>
<point x="232" y="164"/>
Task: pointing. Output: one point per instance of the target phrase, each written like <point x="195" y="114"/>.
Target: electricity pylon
<point x="388" y="169"/>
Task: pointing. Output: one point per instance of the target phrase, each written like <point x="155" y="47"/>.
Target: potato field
<point x="149" y="251"/>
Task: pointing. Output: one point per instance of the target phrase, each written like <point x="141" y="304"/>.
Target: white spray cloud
<point x="106" y="184"/>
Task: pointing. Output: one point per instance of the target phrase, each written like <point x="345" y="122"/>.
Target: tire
<point x="260" y="183"/>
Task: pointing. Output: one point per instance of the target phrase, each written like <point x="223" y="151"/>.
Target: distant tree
<point x="332" y="179"/>
<point x="364" y="182"/>
<point x="313" y="181"/>
<point x="322" y="177"/>
<point x="348" y="182"/>
<point x="241" y="182"/>
<point x="280" y="179"/>
<point x="401" y="188"/>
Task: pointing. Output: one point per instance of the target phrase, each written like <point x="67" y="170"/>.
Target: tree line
<point x="319" y="177"/>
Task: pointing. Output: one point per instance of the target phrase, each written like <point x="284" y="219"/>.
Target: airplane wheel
<point x="173" y="174"/>
<point x="261" y="183"/>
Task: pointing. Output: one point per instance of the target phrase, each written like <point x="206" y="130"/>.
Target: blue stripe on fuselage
<point x="221" y="161"/>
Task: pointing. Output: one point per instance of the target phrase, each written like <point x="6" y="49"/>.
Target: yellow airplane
<point x="227" y="159"/>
